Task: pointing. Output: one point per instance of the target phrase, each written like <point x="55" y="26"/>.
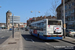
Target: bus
<point x="47" y="29"/>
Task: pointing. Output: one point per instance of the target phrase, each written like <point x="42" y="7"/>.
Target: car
<point x="70" y="32"/>
<point x="10" y="29"/>
<point x="26" y="29"/>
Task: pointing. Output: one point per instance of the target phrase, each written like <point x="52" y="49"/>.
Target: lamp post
<point x="35" y="12"/>
<point x="64" y="17"/>
<point x="12" y="27"/>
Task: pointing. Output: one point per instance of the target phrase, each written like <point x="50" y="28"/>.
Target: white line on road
<point x="32" y="40"/>
<point x="48" y="44"/>
<point x="29" y="39"/>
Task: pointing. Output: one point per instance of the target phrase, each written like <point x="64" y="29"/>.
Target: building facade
<point x="69" y="13"/>
<point x="16" y="20"/>
<point x="8" y="14"/>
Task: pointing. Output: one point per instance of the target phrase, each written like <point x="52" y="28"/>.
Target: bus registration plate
<point x="54" y="35"/>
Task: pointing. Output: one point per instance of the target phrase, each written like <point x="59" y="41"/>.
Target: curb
<point x="21" y="43"/>
<point x="67" y="39"/>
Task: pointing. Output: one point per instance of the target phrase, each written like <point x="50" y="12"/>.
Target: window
<point x="66" y="7"/>
<point x="66" y="14"/>
<point x="72" y="18"/>
<point x="69" y="6"/>
<point x="54" y="22"/>
<point x="73" y="3"/>
<point x="68" y="18"/>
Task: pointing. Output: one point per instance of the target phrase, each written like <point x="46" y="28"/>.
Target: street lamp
<point x="64" y="17"/>
<point x="12" y="27"/>
<point x="35" y="12"/>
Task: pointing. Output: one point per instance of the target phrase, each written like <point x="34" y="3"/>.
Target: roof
<point x="8" y="11"/>
<point x="43" y="20"/>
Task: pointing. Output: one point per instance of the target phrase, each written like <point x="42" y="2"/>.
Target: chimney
<point x="44" y="17"/>
<point x="40" y="16"/>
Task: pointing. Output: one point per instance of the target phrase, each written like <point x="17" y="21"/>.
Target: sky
<point x="23" y="8"/>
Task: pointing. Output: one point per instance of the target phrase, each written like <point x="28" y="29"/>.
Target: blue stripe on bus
<point x="35" y="34"/>
<point x="47" y="38"/>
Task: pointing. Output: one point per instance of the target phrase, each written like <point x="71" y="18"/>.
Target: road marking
<point x="29" y="39"/>
<point x="48" y="44"/>
<point x="32" y="40"/>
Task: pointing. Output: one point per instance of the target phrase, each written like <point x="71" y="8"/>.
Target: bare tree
<point x="53" y="7"/>
<point x="47" y="13"/>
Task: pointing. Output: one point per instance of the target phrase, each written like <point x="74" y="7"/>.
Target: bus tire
<point x="38" y="35"/>
<point x="31" y="33"/>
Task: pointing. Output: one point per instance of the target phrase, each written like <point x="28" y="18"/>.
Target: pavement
<point x="13" y="43"/>
<point x="69" y="40"/>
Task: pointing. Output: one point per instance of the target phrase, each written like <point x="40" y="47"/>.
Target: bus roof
<point x="44" y="20"/>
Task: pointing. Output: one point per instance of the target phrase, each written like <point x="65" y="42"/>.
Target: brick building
<point x="39" y="18"/>
<point x="69" y="13"/>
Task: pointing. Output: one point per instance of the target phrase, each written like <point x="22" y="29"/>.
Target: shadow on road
<point x="29" y="37"/>
<point x="3" y="39"/>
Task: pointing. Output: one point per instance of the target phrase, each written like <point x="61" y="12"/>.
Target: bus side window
<point x="41" y="29"/>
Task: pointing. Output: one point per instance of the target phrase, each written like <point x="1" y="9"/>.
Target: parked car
<point x="10" y="29"/>
<point x="70" y="32"/>
<point x="27" y="29"/>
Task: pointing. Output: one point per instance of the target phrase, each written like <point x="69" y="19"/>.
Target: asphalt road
<point x="33" y="43"/>
<point x="4" y="34"/>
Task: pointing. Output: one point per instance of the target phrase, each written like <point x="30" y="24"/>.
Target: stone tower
<point x="8" y="14"/>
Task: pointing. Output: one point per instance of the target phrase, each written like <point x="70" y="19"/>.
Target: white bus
<point x="47" y="29"/>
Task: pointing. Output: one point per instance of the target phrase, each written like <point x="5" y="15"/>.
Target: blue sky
<point x="23" y="8"/>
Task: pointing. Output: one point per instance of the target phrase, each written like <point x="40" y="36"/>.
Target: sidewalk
<point x="13" y="43"/>
<point x="69" y="40"/>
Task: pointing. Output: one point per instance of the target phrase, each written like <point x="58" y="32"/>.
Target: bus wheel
<point x="38" y="35"/>
<point x="31" y="33"/>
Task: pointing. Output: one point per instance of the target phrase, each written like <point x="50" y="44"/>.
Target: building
<point x="69" y="13"/>
<point x="16" y="20"/>
<point x="39" y="18"/>
<point x="8" y="14"/>
<point x="25" y="25"/>
<point x="2" y="24"/>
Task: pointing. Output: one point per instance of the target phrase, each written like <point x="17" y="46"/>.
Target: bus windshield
<point x="54" y="22"/>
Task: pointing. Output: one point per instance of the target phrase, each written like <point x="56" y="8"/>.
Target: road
<point x="4" y="34"/>
<point x="33" y="43"/>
